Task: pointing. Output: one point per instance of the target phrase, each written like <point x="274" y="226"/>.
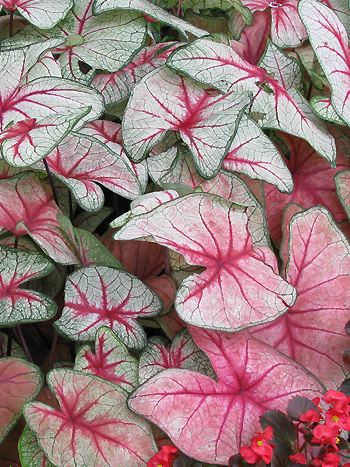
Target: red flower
<point x="325" y="434"/>
<point x="298" y="458"/>
<point x="329" y="460"/>
<point x="260" y="449"/>
<point x="310" y="416"/>
<point x="338" y="400"/>
<point x="164" y="458"/>
<point x="338" y="419"/>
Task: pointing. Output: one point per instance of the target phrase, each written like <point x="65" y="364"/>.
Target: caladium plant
<point x="174" y="225"/>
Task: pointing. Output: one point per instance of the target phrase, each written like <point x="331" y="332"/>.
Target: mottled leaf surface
<point x="31" y="454"/>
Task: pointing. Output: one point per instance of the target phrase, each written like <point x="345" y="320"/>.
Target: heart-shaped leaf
<point x="93" y="425"/>
<point x="318" y="268"/>
<point x="27" y="208"/>
<point x="182" y="353"/>
<point x="210" y="420"/>
<point x="18" y="305"/>
<point x="287" y="30"/>
<point x="163" y="102"/>
<point x="81" y="162"/>
<point x="111" y="360"/>
<point x="150" y="10"/>
<point x="314" y="184"/>
<point x="330" y="42"/>
<point x="20" y="382"/>
<point x="97" y="296"/>
<point x="36" y="115"/>
<point x="239" y="281"/>
<point x="219" y="66"/>
<point x="43" y="14"/>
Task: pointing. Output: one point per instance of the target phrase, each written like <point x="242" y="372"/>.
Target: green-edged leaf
<point x="325" y="110"/>
<point x="30" y="453"/>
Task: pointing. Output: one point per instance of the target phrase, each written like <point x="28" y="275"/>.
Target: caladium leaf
<point x="170" y="323"/>
<point x="219" y="66"/>
<point x="182" y="353"/>
<point x="164" y="102"/>
<point x="97" y="296"/>
<point x="210" y="420"/>
<point x="93" y="425"/>
<point x="314" y="184"/>
<point x="149" y="9"/>
<point x="43" y="14"/>
<point x="211" y="232"/>
<point x="116" y="87"/>
<point x="342" y="181"/>
<point x="31" y="454"/>
<point x="83" y="163"/>
<point x="19" y="305"/>
<point x="111" y="360"/>
<point x="314" y="319"/>
<point x="27" y="208"/>
<point x="20" y="382"/>
<point x="325" y="110"/>
<point x="287" y="30"/>
<point x="329" y="40"/>
<point x="45" y="66"/>
<point x="36" y="115"/>
<point x="165" y="287"/>
<point x="90" y="221"/>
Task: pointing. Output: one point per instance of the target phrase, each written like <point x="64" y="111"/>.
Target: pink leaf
<point x="318" y="268"/>
<point x="164" y="286"/>
<point x="314" y="184"/>
<point x="27" y="207"/>
<point x="93" y="425"/>
<point x="18" y="305"/>
<point x="170" y="323"/>
<point x="111" y="360"/>
<point x="239" y="281"/>
<point x="182" y="353"/>
<point x="101" y="296"/>
<point x="287" y="30"/>
<point x="330" y="42"/>
<point x="219" y="66"/>
<point x="163" y="102"/>
<point x="20" y="382"/>
<point x="210" y="420"/>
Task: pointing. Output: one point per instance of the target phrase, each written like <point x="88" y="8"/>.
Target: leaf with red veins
<point x="181" y="353"/>
<point x="324" y="109"/>
<point x="43" y="14"/>
<point x="27" y="208"/>
<point x="102" y="296"/>
<point x="45" y="66"/>
<point x="163" y="102"/>
<point x="116" y="87"/>
<point x="318" y="267"/>
<point x="210" y="420"/>
<point x="287" y="30"/>
<point x="109" y="133"/>
<point x="83" y="164"/>
<point x="330" y="42"/>
<point x="31" y="455"/>
<point x="313" y="185"/>
<point x="18" y="305"/>
<point x="151" y="12"/>
<point x="239" y="287"/>
<point x="110" y="361"/>
<point x="219" y="66"/>
<point x="92" y="426"/>
<point x="20" y="382"/>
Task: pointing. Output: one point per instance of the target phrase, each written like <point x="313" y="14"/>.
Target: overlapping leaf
<point x="182" y="353"/>
<point x="287" y="30"/>
<point x="36" y="115"/>
<point x="20" y="382"/>
<point x="318" y="268"/>
<point x="92" y="426"/>
<point x="27" y="208"/>
<point x="97" y="296"/>
<point x="239" y="287"/>
<point x="44" y="14"/>
<point x="342" y="181"/>
<point x="110" y="361"/>
<point x="329" y="39"/>
<point x="31" y="455"/>
<point x="218" y="65"/>
<point x="18" y="305"/>
<point x="210" y="420"/>
<point x="83" y="163"/>
<point x="314" y="184"/>
<point x="150" y="10"/>
<point x="164" y="102"/>
<point x="325" y="110"/>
